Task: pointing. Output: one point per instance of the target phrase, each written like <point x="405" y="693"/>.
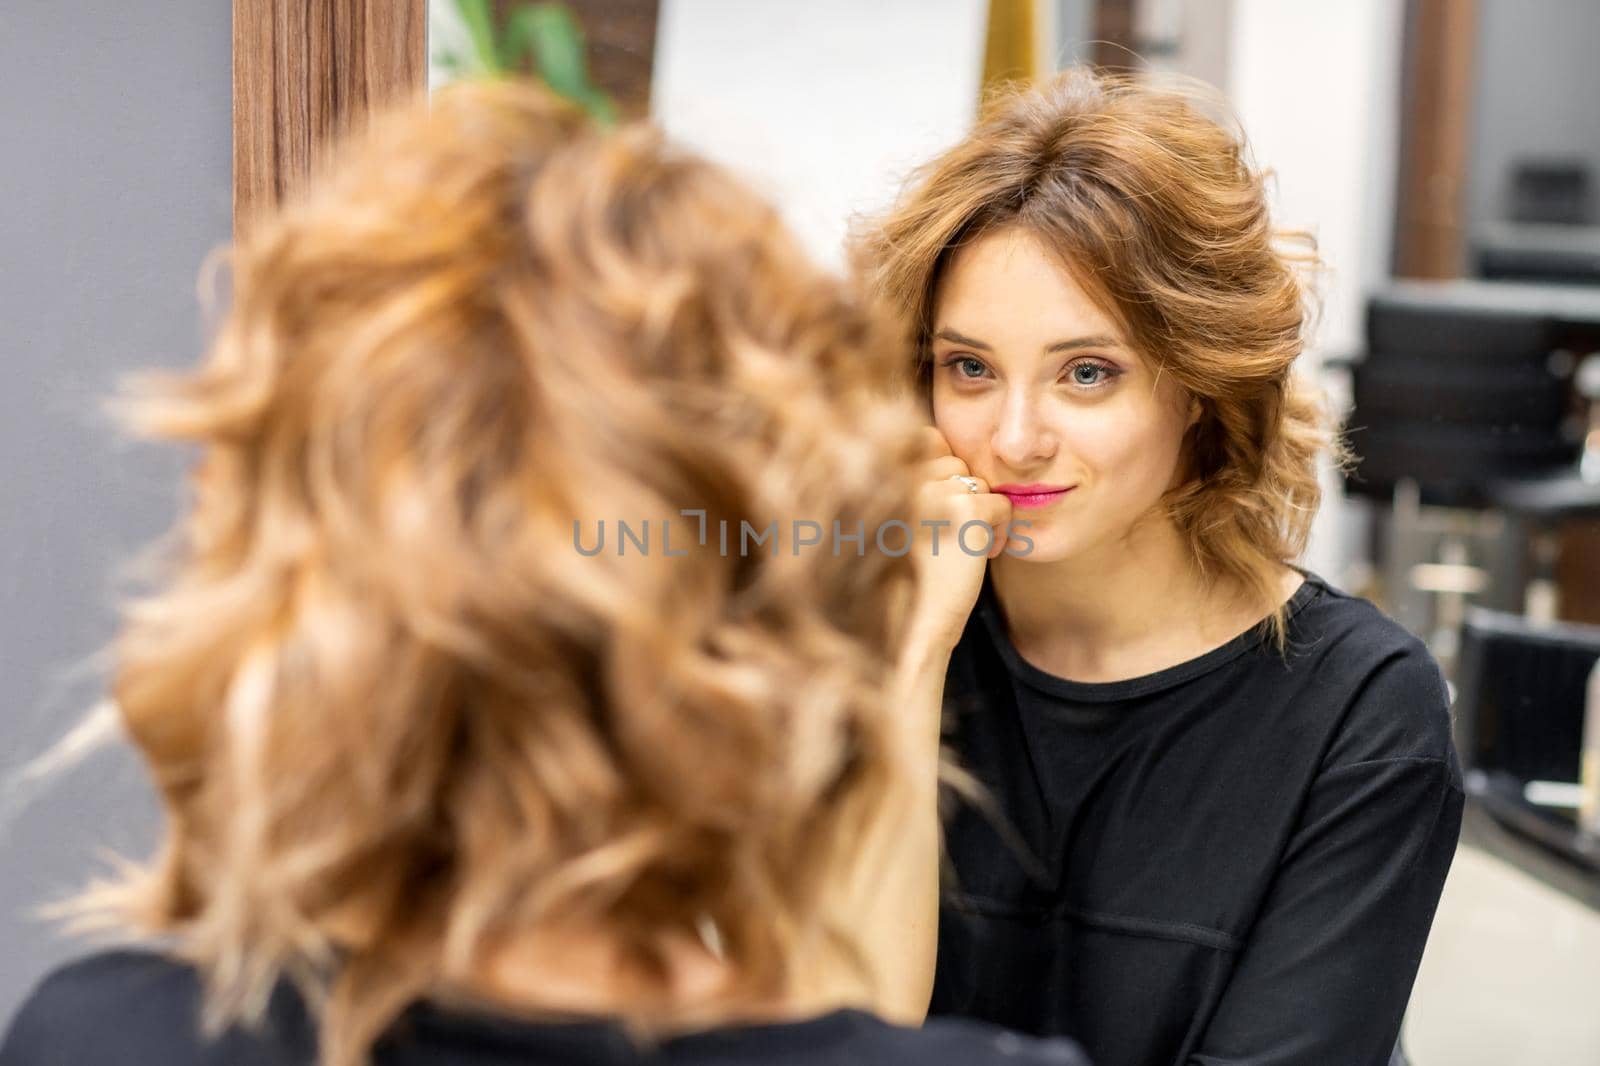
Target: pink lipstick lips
<point x="1032" y="496"/>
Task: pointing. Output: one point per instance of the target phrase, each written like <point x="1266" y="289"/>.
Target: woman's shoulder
<point x="947" y="1041"/>
<point x="126" y="1006"/>
<point x="1319" y="608"/>
<point x="1330" y="629"/>
<point x="1393" y="700"/>
<point x="63" y="1017"/>
<point x="102" y="984"/>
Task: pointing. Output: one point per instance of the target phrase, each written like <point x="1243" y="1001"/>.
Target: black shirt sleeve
<point x="1328" y="966"/>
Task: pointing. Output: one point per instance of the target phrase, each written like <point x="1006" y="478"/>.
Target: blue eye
<point x="967" y="368"/>
<point x="1091" y="375"/>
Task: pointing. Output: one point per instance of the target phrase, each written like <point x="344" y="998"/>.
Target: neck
<point x="1107" y="595"/>
<point x="572" y="972"/>
<point x="1120" y="609"/>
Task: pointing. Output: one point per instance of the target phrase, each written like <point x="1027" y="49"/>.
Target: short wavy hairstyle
<point x="394" y="713"/>
<point x="1157" y="210"/>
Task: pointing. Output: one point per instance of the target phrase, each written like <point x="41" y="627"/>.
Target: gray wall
<point x="114" y="151"/>
<point x="1538" y="93"/>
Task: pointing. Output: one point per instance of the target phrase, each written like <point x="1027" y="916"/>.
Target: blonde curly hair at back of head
<point x="395" y="717"/>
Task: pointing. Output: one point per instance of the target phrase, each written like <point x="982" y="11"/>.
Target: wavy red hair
<point x="1156" y="208"/>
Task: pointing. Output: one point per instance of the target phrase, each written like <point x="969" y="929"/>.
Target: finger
<point x="999" y="539"/>
<point x="993" y="508"/>
<point x="934" y="444"/>
<point x="964" y="485"/>
<point x="989" y="509"/>
<point x="944" y="469"/>
<point x="951" y="501"/>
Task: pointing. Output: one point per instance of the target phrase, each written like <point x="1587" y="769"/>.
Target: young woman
<point x="1226" y="793"/>
<point x="442" y="783"/>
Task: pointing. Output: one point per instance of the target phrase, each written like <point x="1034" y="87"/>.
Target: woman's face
<point x="1038" y="391"/>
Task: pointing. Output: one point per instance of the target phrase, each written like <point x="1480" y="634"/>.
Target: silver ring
<point x="973" y="484"/>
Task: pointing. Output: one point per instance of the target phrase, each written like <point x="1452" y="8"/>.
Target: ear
<point x="1195" y="411"/>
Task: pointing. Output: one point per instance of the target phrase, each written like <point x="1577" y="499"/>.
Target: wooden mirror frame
<point x="304" y="70"/>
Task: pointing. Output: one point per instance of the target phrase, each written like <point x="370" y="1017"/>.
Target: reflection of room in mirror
<point x="824" y="105"/>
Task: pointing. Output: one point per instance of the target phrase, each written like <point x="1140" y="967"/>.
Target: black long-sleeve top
<point x="136" y="1008"/>
<point x="1233" y="861"/>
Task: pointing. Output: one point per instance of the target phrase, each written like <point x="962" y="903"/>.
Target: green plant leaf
<point x="600" y="107"/>
<point x="479" y="19"/>
<point x="545" y="34"/>
<point x="556" y="42"/>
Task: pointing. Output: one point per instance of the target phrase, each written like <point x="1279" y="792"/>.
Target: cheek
<point x="966" y="426"/>
<point x="1136" y="445"/>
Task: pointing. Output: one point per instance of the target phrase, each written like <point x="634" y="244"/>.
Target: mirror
<point x="828" y="105"/>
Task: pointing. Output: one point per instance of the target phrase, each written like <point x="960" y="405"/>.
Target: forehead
<point x="1009" y="279"/>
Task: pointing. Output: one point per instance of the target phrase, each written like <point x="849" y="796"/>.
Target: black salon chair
<point x="1451" y="398"/>
<point x="1519" y="718"/>
<point x="1450" y="404"/>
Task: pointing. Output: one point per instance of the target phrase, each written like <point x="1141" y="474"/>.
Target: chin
<point x="1049" y="546"/>
<point x="1060" y="537"/>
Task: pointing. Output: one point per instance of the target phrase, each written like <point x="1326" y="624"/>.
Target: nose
<point x="1022" y="439"/>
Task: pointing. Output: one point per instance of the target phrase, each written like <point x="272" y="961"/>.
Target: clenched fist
<point x="960" y="527"/>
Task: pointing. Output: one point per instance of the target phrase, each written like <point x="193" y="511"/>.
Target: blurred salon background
<point x="1446" y="154"/>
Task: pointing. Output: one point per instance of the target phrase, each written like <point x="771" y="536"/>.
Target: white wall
<point x="824" y="105"/>
<point x="1317" y="87"/>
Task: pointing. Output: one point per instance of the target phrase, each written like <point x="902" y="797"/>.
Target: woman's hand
<point x="949" y="554"/>
<point x="896" y="903"/>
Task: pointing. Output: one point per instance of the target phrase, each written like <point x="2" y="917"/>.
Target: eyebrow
<point x="1098" y="341"/>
